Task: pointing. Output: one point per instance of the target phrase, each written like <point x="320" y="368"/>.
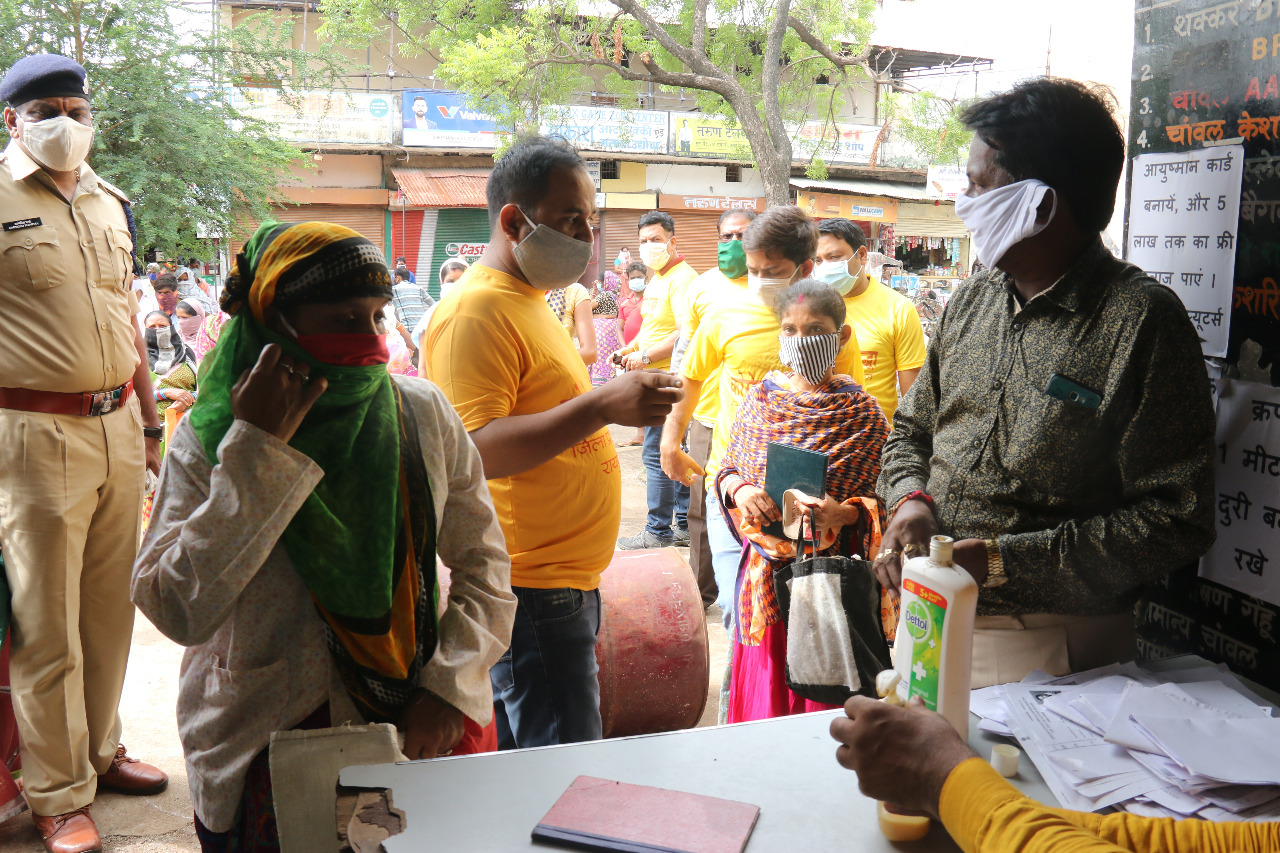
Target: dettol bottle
<point x="933" y="651"/>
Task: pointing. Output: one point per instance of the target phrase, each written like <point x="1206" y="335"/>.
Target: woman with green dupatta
<point x="293" y="543"/>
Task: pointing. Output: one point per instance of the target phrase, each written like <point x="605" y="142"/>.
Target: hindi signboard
<point x="319" y="116"/>
<point x="711" y="137"/>
<point x="1183" y="213"/>
<point x="1245" y="556"/>
<point x="608" y="129"/>
<point x="833" y="142"/>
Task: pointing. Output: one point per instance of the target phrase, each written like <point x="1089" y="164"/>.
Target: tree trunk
<point x="773" y="164"/>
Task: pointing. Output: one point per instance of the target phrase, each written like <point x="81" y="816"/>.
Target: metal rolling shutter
<point x="619" y="229"/>
<point x="698" y="236"/>
<point x="454" y="227"/>
<point x="911" y="224"/>
<point x="368" y="221"/>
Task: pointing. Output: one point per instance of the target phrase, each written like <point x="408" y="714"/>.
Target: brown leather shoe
<point x="130" y="776"/>
<point x="73" y="832"/>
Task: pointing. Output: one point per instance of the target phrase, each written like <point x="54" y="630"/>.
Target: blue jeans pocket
<point x="502" y="674"/>
<point x="550" y="607"/>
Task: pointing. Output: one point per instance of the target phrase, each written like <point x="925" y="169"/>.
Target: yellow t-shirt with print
<point x="496" y="351"/>
<point x="655" y="307"/>
<point x="891" y="337"/>
<point x="705" y="293"/>
<point x="741" y="339"/>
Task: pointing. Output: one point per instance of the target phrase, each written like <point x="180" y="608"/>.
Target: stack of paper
<point x="1170" y="744"/>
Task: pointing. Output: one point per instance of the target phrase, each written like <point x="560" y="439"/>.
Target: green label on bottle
<point x="924" y="614"/>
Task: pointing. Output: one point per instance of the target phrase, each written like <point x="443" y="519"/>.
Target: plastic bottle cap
<point x="901" y="827"/>
<point x="1004" y="758"/>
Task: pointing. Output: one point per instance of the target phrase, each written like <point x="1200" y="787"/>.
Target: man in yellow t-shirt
<point x="886" y="323"/>
<point x="522" y="391"/>
<point x="740" y="338"/>
<point x="913" y="758"/>
<point x="723" y="285"/>
<point x="667" y="522"/>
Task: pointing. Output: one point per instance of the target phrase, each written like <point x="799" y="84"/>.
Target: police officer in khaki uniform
<point x="75" y="444"/>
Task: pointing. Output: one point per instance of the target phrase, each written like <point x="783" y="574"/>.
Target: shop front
<point x="697" y="220"/>
<point x="437" y="214"/>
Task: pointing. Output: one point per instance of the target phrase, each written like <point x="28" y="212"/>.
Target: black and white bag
<point x="831" y="608"/>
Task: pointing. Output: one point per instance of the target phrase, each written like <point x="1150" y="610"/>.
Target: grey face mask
<point x="550" y="259"/>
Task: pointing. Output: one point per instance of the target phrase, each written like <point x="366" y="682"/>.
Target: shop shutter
<point x="911" y="222"/>
<point x="368" y="221"/>
<point x="422" y="263"/>
<point x="619" y="229"/>
<point x="698" y="236"/>
<point x="459" y="232"/>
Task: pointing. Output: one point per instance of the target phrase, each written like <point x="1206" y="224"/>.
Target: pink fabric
<point x="607" y="342"/>
<point x="758" y="684"/>
<point x="629" y="317"/>
<point x="189" y="327"/>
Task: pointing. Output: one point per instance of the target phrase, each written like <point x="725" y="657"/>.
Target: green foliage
<point x="515" y="58"/>
<point x="929" y="127"/>
<point x="167" y="132"/>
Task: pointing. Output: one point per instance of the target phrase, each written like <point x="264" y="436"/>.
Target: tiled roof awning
<point x="442" y="187"/>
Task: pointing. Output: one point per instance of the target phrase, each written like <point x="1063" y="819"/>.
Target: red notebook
<point x="598" y="814"/>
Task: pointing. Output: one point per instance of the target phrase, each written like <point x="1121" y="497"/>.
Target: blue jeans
<point x="726" y="554"/>
<point x="545" y="688"/>
<point x="667" y="498"/>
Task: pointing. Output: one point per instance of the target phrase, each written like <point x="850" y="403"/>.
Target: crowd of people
<point x="315" y="489"/>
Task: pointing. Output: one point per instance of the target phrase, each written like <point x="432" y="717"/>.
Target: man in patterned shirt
<point x="1061" y="428"/>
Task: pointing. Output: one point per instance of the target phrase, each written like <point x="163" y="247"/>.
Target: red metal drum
<point x="652" y="651"/>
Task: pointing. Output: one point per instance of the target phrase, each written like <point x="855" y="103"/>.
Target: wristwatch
<point x="995" y="566"/>
<point x="153" y="432"/>
<point x="644" y="356"/>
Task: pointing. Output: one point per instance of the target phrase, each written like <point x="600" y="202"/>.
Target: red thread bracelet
<point x="912" y="496"/>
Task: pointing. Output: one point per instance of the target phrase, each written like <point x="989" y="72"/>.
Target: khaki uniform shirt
<point x="66" y="308"/>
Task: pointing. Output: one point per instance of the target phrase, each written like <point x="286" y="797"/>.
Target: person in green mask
<point x="293" y="542"/>
<point x="726" y="283"/>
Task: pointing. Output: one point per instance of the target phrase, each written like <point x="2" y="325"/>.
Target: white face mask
<point x="60" y="143"/>
<point x="550" y="259"/>
<point x="1002" y="217"/>
<point x="836" y="274"/>
<point x="637" y="285"/>
<point x="765" y="289"/>
<point x="655" y="255"/>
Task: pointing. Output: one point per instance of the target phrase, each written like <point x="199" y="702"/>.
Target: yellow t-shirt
<point x="703" y="294"/>
<point x="741" y="338"/>
<point x="983" y="813"/>
<point x="655" y="307"/>
<point x="563" y="302"/>
<point x="892" y="339"/>
<point x="496" y="351"/>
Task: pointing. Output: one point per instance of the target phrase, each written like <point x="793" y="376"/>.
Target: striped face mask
<point x="810" y="355"/>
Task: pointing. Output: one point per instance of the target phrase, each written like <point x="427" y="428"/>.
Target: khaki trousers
<point x="71" y="492"/>
<point x="1008" y="648"/>
<point x="699" y="548"/>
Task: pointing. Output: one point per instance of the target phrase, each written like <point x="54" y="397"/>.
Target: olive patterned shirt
<point x="1088" y="499"/>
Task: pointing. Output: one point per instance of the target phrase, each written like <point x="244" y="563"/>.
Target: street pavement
<point x="163" y="824"/>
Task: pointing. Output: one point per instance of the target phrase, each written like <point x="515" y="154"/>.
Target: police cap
<point x="45" y="75"/>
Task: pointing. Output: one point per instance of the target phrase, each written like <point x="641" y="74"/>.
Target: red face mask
<point x="347" y="350"/>
<point x="168" y="302"/>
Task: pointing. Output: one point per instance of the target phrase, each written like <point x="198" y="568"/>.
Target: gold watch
<point x="995" y="566"/>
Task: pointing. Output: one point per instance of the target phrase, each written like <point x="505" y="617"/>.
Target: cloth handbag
<point x="831" y="609"/>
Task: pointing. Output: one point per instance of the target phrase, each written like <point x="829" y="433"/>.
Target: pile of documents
<point x="1175" y="743"/>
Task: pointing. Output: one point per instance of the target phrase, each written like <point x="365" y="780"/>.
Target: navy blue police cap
<point x="45" y="75"/>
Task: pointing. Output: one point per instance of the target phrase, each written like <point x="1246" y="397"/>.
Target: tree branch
<point x="770" y="77"/>
<point x="806" y="35"/>
<point x="692" y="61"/>
<point x="652" y="73"/>
<point x="700" y="27"/>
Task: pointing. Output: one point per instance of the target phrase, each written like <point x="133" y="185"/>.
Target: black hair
<point x="451" y="265"/>
<point x="417" y="98"/>
<point x="1061" y="132"/>
<point x="785" y="230"/>
<point x="636" y="266"/>
<point x="157" y="313"/>
<point x="817" y="296"/>
<point x="401" y="274"/>
<point x="658" y="217"/>
<point x="748" y="213"/>
<point x="191" y="262"/>
<point x="521" y="176"/>
<point x="166" y="279"/>
<point x="843" y="229"/>
<point x="401" y="258"/>
<point x="184" y="305"/>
